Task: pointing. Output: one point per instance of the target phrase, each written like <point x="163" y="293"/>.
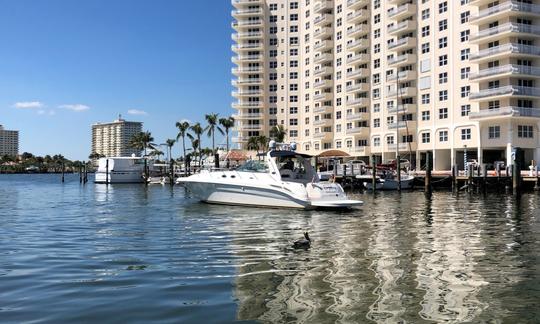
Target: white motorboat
<point x="121" y="170"/>
<point x="283" y="178"/>
<point x="390" y="182"/>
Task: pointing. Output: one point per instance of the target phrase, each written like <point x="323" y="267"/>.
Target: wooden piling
<point x="454" y="177"/>
<point x="107" y="171"/>
<point x="516" y="177"/>
<point x="427" y="183"/>
<point x="63" y="170"/>
<point x="80" y="174"/>
<point x="373" y="174"/>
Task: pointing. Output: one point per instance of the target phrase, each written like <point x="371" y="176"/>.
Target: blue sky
<point x="66" y="64"/>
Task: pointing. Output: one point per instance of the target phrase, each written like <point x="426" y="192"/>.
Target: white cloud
<point x="75" y="107"/>
<point x="41" y="112"/>
<point x="52" y="112"/>
<point x="28" y="105"/>
<point x="137" y="112"/>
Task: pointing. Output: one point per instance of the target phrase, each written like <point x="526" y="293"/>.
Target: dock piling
<point x="107" y="171"/>
<point x="63" y="169"/>
<point x="373" y="174"/>
<point x="427" y="183"/>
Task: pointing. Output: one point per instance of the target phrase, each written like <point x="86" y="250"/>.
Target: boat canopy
<point x="276" y="153"/>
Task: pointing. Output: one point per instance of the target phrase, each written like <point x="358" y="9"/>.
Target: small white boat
<point x="390" y="182"/>
<point x="283" y="178"/>
<point x="121" y="170"/>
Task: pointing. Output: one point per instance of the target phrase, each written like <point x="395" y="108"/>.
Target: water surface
<point x="72" y="253"/>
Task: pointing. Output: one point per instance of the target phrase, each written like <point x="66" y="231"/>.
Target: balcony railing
<point x="506" y="48"/>
<point x="506" y="90"/>
<point x="402" y="25"/>
<point x="248" y="116"/>
<point x="400" y="108"/>
<point x="505" y="69"/>
<point x="237" y="36"/>
<point x="321" y="109"/>
<point x="357" y="58"/>
<point x="247" y="23"/>
<point x="247" y="81"/>
<point x="506" y="111"/>
<point x="321" y="122"/>
<point x="358" y="28"/>
<point x="247" y="58"/>
<point x="247" y="104"/>
<point x="357" y="101"/>
<point x="246" y="93"/>
<point x="357" y="14"/>
<point x="250" y="126"/>
<point x="402" y="75"/>
<point x="245" y="2"/>
<point x="322" y="83"/>
<point x="322" y="96"/>
<point x="506" y="6"/>
<point x="399" y="42"/>
<point x="356" y="73"/>
<point x="320" y="134"/>
<point x="359" y="42"/>
<point x="255" y="11"/>
<point x="237" y="70"/>
<point x="351" y="3"/>
<point x="355" y="116"/>
<point x="324" y="70"/>
<point x="355" y="130"/>
<point x="400" y="58"/>
<point x="357" y="86"/>
<point x="397" y="10"/>
<point x="508" y="27"/>
<point x="400" y="124"/>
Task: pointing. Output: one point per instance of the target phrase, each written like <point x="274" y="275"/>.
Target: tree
<point x="198" y="131"/>
<point x="253" y="143"/>
<point x="195" y="145"/>
<point x="182" y="132"/>
<point x="170" y="143"/>
<point x="142" y="141"/>
<point x="227" y="124"/>
<point x="263" y="142"/>
<point x="278" y="133"/>
<point x="212" y="120"/>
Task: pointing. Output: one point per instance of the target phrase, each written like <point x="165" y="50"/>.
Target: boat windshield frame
<point x="258" y="166"/>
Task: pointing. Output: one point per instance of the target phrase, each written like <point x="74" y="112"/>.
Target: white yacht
<point x="390" y="182"/>
<point x="283" y="178"/>
<point x="121" y="170"/>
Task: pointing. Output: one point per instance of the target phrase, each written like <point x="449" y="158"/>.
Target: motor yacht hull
<point x="120" y="177"/>
<point x="392" y="184"/>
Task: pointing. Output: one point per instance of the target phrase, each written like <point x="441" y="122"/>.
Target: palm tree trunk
<point x="184" y="149"/>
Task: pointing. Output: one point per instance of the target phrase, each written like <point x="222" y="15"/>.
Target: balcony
<point x="247" y="116"/>
<point x="401" y="124"/>
<point x="247" y="58"/>
<point x="402" y="44"/>
<point x="402" y="11"/>
<point x="504" y="51"/>
<point x="325" y="83"/>
<point x="402" y="76"/>
<point x="504" y="112"/>
<point x="358" y="102"/>
<point x="325" y="70"/>
<point x="360" y="151"/>
<point x="508" y="29"/>
<point x="246" y="104"/>
<point x="322" y="122"/>
<point x="243" y="3"/>
<point x="246" y="93"/>
<point x="239" y="139"/>
<point x="321" y="58"/>
<point x="357" y="15"/>
<point x="323" y="45"/>
<point x="407" y="108"/>
<point x="246" y="70"/>
<point x="510" y="90"/>
<point x="404" y="26"/>
<point x="323" y="32"/>
<point x="237" y="25"/>
<point x="357" y="131"/>
<point x="321" y="134"/>
<point x="243" y="127"/>
<point x="358" y="58"/>
<point x="358" y="44"/>
<point x="324" y="96"/>
<point x="403" y="92"/>
<point x="357" y="116"/>
<point x="247" y="12"/>
<point x="355" y="4"/>
<point x="402" y="59"/>
<point x="323" y="6"/>
<point x="247" y="47"/>
<point x="357" y="73"/>
<point x="322" y="109"/>
<point x="358" y="30"/>
<point x="324" y="19"/>
<point x="506" y="70"/>
<point x="358" y="87"/>
<point x="247" y="81"/>
<point x="504" y="10"/>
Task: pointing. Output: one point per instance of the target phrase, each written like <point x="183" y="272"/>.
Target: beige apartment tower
<point x="112" y="139"/>
<point x="9" y="142"/>
<point x="457" y="78"/>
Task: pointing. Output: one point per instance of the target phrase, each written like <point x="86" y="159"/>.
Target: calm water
<point x="71" y="253"/>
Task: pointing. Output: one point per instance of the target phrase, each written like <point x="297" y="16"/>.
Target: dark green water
<point x="125" y="253"/>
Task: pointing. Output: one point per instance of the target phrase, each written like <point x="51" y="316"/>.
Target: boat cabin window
<point x="254" y="166"/>
<point x="293" y="167"/>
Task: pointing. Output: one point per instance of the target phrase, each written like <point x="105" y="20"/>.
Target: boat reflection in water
<point x="442" y="260"/>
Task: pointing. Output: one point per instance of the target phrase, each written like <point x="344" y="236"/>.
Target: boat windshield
<point x="254" y="166"/>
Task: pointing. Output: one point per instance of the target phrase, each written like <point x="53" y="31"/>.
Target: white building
<point x="9" y="142"/>
<point x="112" y="139"/>
<point x="328" y="70"/>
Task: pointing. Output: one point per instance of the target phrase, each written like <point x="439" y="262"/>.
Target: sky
<point x="66" y="64"/>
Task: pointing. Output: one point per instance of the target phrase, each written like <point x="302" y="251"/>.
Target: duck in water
<point x="303" y="243"/>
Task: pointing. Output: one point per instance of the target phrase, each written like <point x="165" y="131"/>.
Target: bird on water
<point x="303" y="243"/>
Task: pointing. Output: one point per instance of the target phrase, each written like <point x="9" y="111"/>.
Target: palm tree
<point x="142" y="141"/>
<point x="195" y="145"/>
<point x="198" y="131"/>
<point x="263" y="142"/>
<point x="212" y="120"/>
<point x="227" y="124"/>
<point x="182" y="132"/>
<point x="253" y="143"/>
<point x="170" y="143"/>
<point x="278" y="132"/>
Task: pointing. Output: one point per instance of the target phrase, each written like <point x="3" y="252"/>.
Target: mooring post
<point x="171" y="172"/>
<point x="373" y="174"/>
<point x="484" y="176"/>
<point x="427" y="183"/>
<point x="516" y="177"/>
<point x="470" y="175"/>
<point x="107" y="171"/>
<point x="454" y="177"/>
<point x="63" y="171"/>
<point x="80" y="174"/>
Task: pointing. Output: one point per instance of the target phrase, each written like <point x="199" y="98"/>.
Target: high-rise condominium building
<point x="9" y="142"/>
<point x="112" y="139"/>
<point x="370" y="77"/>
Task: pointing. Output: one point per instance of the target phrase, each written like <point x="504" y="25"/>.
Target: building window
<point x="465" y="17"/>
<point x="425" y="138"/>
<point x="376" y="141"/>
<point x="443" y="113"/>
<point x="443" y="42"/>
<point x="494" y="132"/>
<point x="425" y="48"/>
<point x="443" y="77"/>
<point x="443" y="60"/>
<point x="425" y="115"/>
<point x="425" y="31"/>
<point x="465" y="110"/>
<point x="443" y="95"/>
<point x="465" y="134"/>
<point x="465" y="54"/>
<point x="425" y="98"/>
<point x="465" y="73"/>
<point x="425" y="14"/>
<point x="443" y="136"/>
<point x="464" y="35"/>
<point x="443" y="25"/>
<point x="525" y="131"/>
<point x="390" y="140"/>
<point x="376" y="122"/>
<point x="293" y="133"/>
<point x="465" y="91"/>
<point x="443" y="7"/>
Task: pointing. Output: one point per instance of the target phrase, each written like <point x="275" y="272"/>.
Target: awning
<point x="333" y="153"/>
